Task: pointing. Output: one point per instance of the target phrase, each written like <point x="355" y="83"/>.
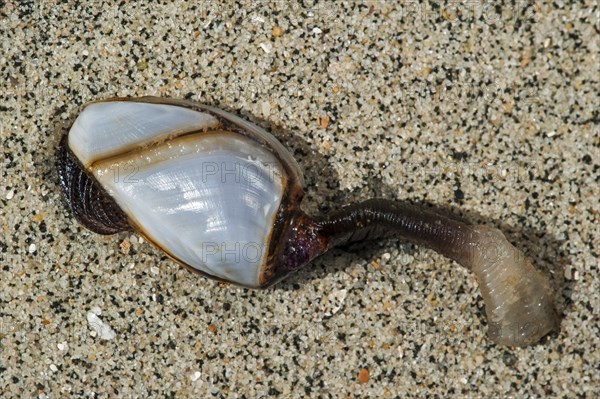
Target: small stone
<point x="32" y="248"/>
<point x="479" y="359"/>
<point x="363" y="376"/>
<point x="509" y="359"/>
<point x="458" y="194"/>
<point x="507" y="107"/>
<point x="323" y="121"/>
<point x="568" y="273"/>
<point x="406" y="259"/>
<point x="142" y="66"/>
<point x="400" y="352"/>
<point x="10" y="195"/>
<point x="277" y="31"/>
<point x="266" y="108"/>
<point x="194" y="376"/>
<point x="267" y="47"/>
<point x="525" y="58"/>
<point x="53" y="368"/>
<point x="335" y="301"/>
<point x="125" y="246"/>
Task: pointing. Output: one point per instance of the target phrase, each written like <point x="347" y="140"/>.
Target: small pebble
<point x="266" y="47"/>
<point x="125" y="246"/>
<point x="568" y="272"/>
<point x="363" y="376"/>
<point x="194" y="377"/>
<point x="266" y="108"/>
<point x="509" y="359"/>
<point x="400" y="352"/>
<point x="277" y="31"/>
<point x="323" y="121"/>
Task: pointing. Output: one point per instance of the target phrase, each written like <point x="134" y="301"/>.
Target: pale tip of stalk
<point x="519" y="299"/>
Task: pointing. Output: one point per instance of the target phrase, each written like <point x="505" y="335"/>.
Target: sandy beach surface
<point x="488" y="111"/>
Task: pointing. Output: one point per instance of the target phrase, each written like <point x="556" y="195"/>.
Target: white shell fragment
<point x="206" y="196"/>
<point x="102" y="329"/>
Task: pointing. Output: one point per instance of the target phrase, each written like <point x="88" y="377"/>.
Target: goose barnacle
<point x="221" y="196"/>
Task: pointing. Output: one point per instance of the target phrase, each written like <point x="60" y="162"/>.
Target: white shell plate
<point x="208" y="199"/>
<point x="108" y="128"/>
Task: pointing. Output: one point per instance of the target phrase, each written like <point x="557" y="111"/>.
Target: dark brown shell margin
<point x="91" y="205"/>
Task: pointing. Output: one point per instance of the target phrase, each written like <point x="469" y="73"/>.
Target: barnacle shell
<point x="210" y="189"/>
